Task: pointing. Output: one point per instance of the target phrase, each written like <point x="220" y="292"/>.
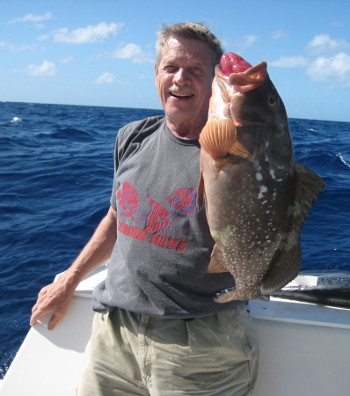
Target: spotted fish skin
<point x="257" y="196"/>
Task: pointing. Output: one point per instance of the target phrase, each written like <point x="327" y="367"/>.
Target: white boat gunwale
<point x="304" y="348"/>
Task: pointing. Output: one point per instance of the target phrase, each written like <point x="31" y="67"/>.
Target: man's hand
<point x="56" y="297"/>
<point x="53" y="298"/>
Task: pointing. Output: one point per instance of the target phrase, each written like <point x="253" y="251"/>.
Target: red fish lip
<point x="233" y="63"/>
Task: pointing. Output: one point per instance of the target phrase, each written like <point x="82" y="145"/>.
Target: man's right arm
<point x="56" y="297"/>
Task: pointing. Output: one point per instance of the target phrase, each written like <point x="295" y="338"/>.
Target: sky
<point x="102" y="53"/>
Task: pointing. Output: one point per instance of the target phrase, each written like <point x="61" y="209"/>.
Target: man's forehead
<point x="172" y="42"/>
<point x="195" y="50"/>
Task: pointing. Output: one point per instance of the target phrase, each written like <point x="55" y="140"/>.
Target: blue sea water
<point x="56" y="168"/>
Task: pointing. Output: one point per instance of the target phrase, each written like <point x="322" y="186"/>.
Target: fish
<point x="256" y="195"/>
<point x="329" y="288"/>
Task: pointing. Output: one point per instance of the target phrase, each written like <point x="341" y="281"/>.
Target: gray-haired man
<point x="157" y="329"/>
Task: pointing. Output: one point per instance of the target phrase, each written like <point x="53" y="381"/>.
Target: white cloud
<point x="46" y="69"/>
<point x="334" y="71"/>
<point x="278" y="34"/>
<point x="146" y="77"/>
<point x="33" y="18"/>
<point x="105" y="78"/>
<point x="19" y="48"/>
<point x="134" y="52"/>
<point x="323" y="44"/>
<point x="125" y="82"/>
<point x="89" y="34"/>
<point x="43" y="37"/>
<point x="289" y="61"/>
<point x="336" y="24"/>
<point x="67" y="60"/>
<point x="248" y="41"/>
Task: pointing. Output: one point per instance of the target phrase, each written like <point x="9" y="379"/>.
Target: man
<point x="157" y="329"/>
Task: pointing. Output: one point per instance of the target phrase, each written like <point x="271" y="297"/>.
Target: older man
<point x="157" y="329"/>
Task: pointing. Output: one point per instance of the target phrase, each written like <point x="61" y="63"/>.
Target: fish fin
<point x="308" y="186"/>
<point x="226" y="295"/>
<point x="217" y="262"/>
<point x="241" y="151"/>
<point x="218" y="136"/>
<point x="232" y="294"/>
<point x="200" y="192"/>
<point x="286" y="268"/>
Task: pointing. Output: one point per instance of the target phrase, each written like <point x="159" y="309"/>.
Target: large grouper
<point x="256" y="195"/>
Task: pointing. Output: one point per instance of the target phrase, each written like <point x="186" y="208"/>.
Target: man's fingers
<point x="38" y="312"/>
<point x="53" y="321"/>
<point x="45" y="289"/>
<point x="35" y="307"/>
<point x="36" y="316"/>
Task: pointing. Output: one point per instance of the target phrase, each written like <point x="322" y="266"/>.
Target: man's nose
<point x="182" y="76"/>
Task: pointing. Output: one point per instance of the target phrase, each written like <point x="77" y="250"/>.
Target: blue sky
<point x="102" y="53"/>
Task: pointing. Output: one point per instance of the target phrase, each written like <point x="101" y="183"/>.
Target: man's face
<point x="183" y="80"/>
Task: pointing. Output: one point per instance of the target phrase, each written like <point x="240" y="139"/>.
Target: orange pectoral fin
<point x="218" y="136"/>
<point x="240" y="151"/>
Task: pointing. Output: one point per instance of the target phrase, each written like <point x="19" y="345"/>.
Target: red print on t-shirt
<point x="152" y="222"/>
<point x="158" y="218"/>
<point x="128" y="199"/>
<point x="183" y="199"/>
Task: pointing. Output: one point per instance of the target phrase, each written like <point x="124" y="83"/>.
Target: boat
<point x="304" y="347"/>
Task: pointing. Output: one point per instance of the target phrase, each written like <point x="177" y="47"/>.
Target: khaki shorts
<point x="132" y="354"/>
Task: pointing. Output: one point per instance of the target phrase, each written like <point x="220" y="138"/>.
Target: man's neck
<point x="188" y="132"/>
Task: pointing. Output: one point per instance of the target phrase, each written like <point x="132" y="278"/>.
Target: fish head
<point x="244" y="97"/>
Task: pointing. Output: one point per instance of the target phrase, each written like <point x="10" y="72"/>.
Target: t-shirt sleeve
<point x="128" y="140"/>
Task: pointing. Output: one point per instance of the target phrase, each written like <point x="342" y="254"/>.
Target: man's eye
<point x="169" y="68"/>
<point x="197" y="70"/>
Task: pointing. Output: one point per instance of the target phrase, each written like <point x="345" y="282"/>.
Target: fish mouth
<point x="243" y="123"/>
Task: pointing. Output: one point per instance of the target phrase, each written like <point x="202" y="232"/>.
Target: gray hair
<point x="192" y="31"/>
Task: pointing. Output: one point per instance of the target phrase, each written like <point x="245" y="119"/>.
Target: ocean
<point x="56" y="169"/>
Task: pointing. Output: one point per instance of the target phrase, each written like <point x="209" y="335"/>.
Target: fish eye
<point x="272" y="101"/>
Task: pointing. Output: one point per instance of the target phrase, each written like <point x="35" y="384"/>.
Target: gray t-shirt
<point x="159" y="263"/>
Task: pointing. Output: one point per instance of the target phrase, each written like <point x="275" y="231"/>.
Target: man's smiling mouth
<point x="181" y="95"/>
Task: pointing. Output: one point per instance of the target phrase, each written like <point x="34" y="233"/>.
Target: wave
<point x="343" y="160"/>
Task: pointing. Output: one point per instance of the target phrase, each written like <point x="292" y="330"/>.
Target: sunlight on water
<point x="343" y="160"/>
